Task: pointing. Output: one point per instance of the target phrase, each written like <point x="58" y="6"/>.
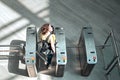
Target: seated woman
<point x="45" y="31"/>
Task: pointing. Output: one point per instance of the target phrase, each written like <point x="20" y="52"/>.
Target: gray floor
<point x="72" y="15"/>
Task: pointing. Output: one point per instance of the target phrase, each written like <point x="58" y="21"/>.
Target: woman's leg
<point x="49" y="59"/>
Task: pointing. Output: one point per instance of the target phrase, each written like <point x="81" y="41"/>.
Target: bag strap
<point x="45" y="39"/>
<point x="48" y="37"/>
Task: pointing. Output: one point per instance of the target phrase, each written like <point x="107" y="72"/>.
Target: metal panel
<point x="90" y="45"/>
<point x="88" y="55"/>
<point x="61" y="55"/>
<point x="30" y="55"/>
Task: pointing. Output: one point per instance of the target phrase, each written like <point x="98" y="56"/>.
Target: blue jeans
<point x="49" y="58"/>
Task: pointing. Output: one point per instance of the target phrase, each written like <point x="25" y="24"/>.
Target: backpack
<point x="44" y="45"/>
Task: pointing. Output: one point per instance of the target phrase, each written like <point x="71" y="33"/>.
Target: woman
<point x="45" y="31"/>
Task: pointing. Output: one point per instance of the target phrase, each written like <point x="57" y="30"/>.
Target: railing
<point x="111" y="55"/>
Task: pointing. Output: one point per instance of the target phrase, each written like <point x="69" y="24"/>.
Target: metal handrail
<point x="113" y="63"/>
<point x="106" y="41"/>
<point x="116" y="48"/>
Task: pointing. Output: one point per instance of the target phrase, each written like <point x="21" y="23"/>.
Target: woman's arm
<point x="52" y="41"/>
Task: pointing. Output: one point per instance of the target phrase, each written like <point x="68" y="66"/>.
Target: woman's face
<point x="50" y="28"/>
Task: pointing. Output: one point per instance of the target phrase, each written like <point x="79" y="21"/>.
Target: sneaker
<point x="50" y="67"/>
